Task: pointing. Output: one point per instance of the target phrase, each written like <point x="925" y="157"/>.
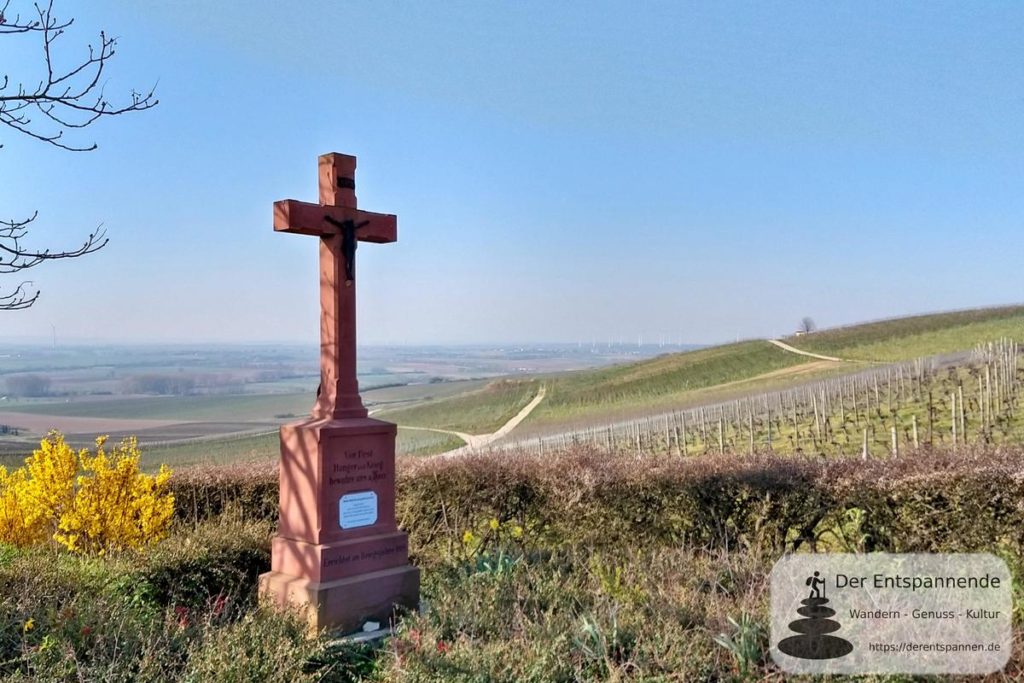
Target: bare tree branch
<point x="19" y="299"/>
<point x="66" y="99"/>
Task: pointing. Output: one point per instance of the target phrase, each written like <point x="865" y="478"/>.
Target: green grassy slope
<point x="916" y="336"/>
<point x="720" y="372"/>
<point x="604" y="392"/>
<point x="477" y="412"/>
<point x="660" y="381"/>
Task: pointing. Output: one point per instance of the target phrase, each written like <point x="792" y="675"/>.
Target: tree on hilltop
<point x="64" y="100"/>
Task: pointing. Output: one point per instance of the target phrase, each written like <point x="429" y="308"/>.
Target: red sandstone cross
<point x="330" y="220"/>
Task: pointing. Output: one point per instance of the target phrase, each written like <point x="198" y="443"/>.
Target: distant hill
<point x="609" y="391"/>
<point x="666" y="379"/>
<point x="714" y="373"/>
<point x="915" y="336"/>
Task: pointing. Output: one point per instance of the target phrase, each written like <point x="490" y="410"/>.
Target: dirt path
<point x="786" y="347"/>
<point x="476" y="441"/>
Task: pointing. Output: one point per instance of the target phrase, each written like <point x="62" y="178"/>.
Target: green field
<point x="667" y="380"/>
<point x="220" y="451"/>
<point x="411" y="394"/>
<point x="477" y="412"/>
<point x="916" y="336"/>
<point x="267" y="447"/>
<point x="228" y="408"/>
<point x="588" y="394"/>
<point x="418" y="442"/>
<point x="214" y="451"/>
<point x="196" y="439"/>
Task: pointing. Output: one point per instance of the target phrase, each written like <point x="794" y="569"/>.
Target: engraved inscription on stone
<point x="382" y="555"/>
<point x="357" y="509"/>
<point x="357" y="466"/>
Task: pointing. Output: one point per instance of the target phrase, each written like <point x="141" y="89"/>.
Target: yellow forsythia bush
<point x="88" y="502"/>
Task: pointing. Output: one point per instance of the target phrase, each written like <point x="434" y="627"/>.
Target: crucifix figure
<point x="340" y="227"/>
<point x="349" y="242"/>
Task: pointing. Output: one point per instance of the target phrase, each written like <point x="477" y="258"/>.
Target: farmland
<point x="765" y="397"/>
<point x="219" y="404"/>
<point x="239" y="408"/>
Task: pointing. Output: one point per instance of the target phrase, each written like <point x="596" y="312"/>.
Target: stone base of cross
<point x="338" y="557"/>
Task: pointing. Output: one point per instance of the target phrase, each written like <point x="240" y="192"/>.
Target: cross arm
<point x="306" y="218"/>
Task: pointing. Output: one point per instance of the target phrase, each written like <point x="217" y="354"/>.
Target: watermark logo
<point x="889" y="613"/>
<point x="815" y="628"/>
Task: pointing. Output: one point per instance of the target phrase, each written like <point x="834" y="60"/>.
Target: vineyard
<point x="936" y="401"/>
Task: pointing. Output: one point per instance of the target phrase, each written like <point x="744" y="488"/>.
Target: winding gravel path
<point x="786" y="347"/>
<point x="477" y="441"/>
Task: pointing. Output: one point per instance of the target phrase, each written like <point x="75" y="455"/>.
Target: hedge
<point x="928" y="501"/>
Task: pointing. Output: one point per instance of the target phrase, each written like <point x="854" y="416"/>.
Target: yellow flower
<point x="494" y="525"/>
<point x="29" y="625"/>
<point x="468" y="537"/>
<point x="89" y="502"/>
<point x="517" y="531"/>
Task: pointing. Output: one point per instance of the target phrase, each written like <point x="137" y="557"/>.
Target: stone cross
<point x="338" y="555"/>
<point x="339" y="225"/>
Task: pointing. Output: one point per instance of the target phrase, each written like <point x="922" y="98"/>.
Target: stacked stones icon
<point x="814" y="641"/>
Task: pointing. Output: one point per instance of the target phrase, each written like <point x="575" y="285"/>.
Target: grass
<point x="419" y="442"/>
<point x="579" y="614"/>
<point x="664" y="381"/>
<point x="215" y="451"/>
<point x="185" y="611"/>
<point x="578" y="566"/>
<point x="916" y="336"/>
<point x="656" y="569"/>
<point x="478" y="412"/>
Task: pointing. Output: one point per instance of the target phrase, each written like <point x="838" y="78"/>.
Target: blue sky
<point x="561" y="171"/>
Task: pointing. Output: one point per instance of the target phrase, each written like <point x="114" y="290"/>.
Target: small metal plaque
<point x="357" y="509"/>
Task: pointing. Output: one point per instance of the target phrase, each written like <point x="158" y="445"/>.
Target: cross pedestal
<point x="338" y="556"/>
